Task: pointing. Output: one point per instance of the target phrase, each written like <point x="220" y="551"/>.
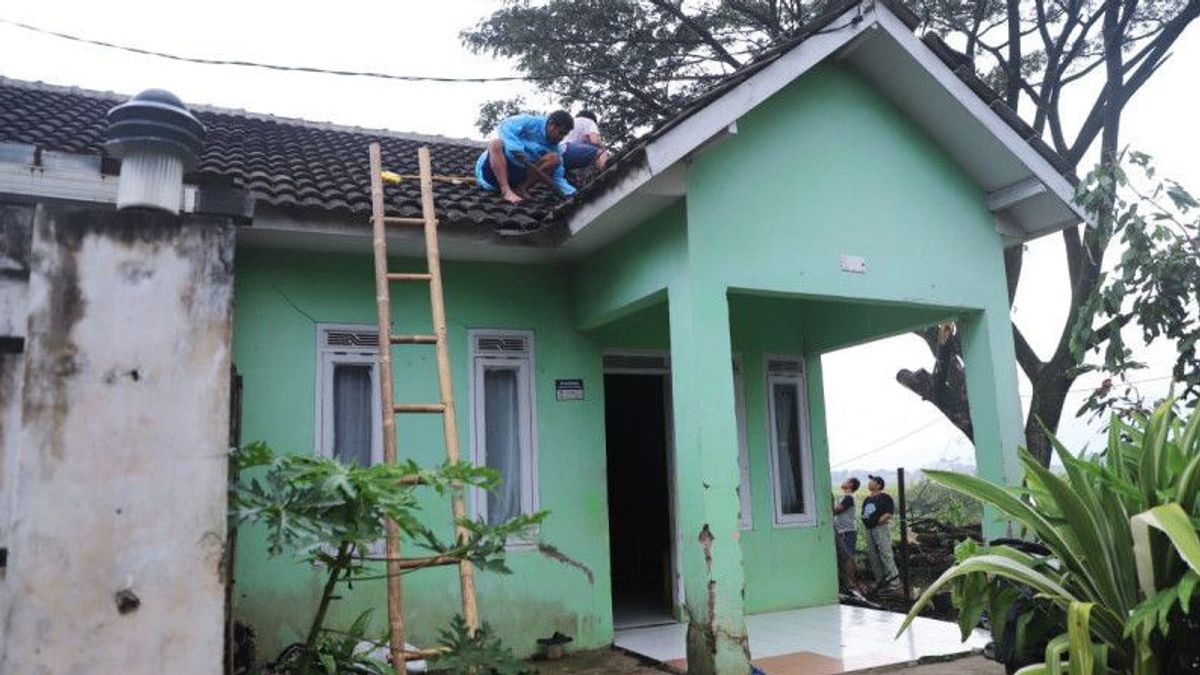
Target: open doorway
<point x="639" y="498"/>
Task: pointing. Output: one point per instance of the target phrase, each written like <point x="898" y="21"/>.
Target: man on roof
<point x="525" y="151"/>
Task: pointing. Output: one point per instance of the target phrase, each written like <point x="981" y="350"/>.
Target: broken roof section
<point x="297" y="164"/>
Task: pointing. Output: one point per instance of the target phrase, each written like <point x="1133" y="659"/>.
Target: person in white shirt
<point x="584" y="147"/>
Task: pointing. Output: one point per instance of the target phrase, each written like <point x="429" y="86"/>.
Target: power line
<point x="925" y="426"/>
<point x="334" y="71"/>
<point x="892" y="442"/>
<point x="366" y="73"/>
<point x="275" y="66"/>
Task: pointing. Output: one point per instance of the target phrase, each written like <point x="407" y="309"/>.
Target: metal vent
<point x="501" y="344"/>
<point x="784" y="367"/>
<point x="636" y="362"/>
<point x="352" y="338"/>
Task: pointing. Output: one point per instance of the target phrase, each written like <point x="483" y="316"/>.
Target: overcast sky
<point x="867" y="409"/>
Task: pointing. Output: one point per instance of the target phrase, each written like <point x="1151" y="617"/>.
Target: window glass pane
<point x="352" y="419"/>
<point x="502" y="441"/>
<point x="787" y="447"/>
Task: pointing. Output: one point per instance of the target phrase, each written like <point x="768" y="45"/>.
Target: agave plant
<point x="1123" y="556"/>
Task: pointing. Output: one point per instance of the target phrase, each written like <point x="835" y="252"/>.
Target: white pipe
<point x="151" y="178"/>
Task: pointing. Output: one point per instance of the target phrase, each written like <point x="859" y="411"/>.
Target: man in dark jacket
<point x="877" y="512"/>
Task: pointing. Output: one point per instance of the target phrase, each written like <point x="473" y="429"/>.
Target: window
<point x="348" y="408"/>
<point x="503" y="429"/>
<point x="791" y="454"/>
<point x="745" y="517"/>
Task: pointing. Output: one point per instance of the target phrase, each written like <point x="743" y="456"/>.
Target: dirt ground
<point x="613" y="661"/>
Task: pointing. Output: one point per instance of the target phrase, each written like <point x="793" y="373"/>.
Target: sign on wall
<point x="568" y="390"/>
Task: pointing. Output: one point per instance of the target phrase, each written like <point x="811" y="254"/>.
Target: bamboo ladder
<point x="383" y="280"/>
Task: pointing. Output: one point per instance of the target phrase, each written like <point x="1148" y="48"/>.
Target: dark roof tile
<point x="281" y="161"/>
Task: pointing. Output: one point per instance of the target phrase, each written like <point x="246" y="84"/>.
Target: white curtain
<point x="787" y="436"/>
<point x="352" y="421"/>
<point x="502" y="442"/>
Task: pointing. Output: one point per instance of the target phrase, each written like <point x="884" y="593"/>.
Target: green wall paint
<point x="828" y="167"/>
<point x="632" y="273"/>
<point x="279" y="297"/>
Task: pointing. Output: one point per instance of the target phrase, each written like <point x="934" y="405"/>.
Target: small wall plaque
<point x="568" y="390"/>
<point x="854" y="264"/>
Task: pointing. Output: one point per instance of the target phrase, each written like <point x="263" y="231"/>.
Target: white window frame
<point x="745" y="501"/>
<point x="809" y="517"/>
<point x="327" y="358"/>
<point x="524" y="365"/>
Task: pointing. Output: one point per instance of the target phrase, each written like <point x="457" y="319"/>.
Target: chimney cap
<point x="155" y="118"/>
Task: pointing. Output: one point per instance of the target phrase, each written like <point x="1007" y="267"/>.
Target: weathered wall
<point x="16" y="236"/>
<point x="280" y="298"/>
<point x="119" y="521"/>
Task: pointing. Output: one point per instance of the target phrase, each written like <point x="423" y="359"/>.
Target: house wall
<point x="16" y="237"/>
<point x="825" y="168"/>
<point x="281" y="296"/>
<point x="118" y="514"/>
<point x="829" y="167"/>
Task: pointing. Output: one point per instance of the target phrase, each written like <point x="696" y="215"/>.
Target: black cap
<point x="882" y="482"/>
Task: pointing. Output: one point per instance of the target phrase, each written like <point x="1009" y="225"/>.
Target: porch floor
<point x="817" y="641"/>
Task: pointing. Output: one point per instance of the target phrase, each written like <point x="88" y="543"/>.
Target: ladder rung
<point x="409" y="276"/>
<point x="413" y="339"/>
<point x="401" y="220"/>
<point x="419" y="408"/>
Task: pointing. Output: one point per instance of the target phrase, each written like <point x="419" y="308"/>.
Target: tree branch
<point x="667" y="7"/>
<point x="1026" y="357"/>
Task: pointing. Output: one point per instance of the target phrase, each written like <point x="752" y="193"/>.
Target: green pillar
<point x="991" y="369"/>
<point x="706" y="479"/>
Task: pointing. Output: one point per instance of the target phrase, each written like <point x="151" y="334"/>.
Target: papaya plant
<point x="333" y="515"/>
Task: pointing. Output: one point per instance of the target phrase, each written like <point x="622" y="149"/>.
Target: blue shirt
<point x="524" y="134"/>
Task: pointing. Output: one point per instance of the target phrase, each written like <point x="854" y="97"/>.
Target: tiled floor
<point x="817" y="640"/>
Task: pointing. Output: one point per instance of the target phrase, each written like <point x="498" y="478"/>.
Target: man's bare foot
<point x="512" y="197"/>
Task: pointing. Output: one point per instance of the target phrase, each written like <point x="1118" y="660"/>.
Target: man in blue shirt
<point x="525" y="150"/>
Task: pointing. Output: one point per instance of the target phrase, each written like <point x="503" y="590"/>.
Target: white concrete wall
<point x="15" y="236"/>
<point x="118" y="527"/>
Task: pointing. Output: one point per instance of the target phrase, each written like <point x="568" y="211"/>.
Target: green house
<point x="644" y="360"/>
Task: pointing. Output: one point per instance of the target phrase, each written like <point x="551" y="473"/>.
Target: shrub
<point x="1121" y="552"/>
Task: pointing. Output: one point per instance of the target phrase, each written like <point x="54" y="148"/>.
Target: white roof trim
<point x="1041" y="169"/>
<point x="692" y="133"/>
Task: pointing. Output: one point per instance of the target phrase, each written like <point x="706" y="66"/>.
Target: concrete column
<point x="706" y="480"/>
<point x="991" y="369"/>
<point x="114" y="561"/>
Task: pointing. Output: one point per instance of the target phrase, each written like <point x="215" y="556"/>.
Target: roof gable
<point x="1029" y="187"/>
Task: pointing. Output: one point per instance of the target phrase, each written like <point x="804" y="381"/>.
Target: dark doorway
<point x="639" y="517"/>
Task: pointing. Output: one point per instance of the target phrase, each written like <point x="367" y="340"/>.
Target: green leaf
<point x="1173" y="521"/>
<point x="997" y="565"/>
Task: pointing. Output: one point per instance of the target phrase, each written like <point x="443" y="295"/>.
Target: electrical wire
<point x="892" y="442"/>
<point x="355" y="73"/>
<point x="275" y="66"/>
<point x="933" y="422"/>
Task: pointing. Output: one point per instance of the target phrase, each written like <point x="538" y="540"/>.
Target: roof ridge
<point x="246" y="114"/>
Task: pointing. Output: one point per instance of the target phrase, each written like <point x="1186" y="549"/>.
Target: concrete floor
<point x="614" y="661"/>
<point x="826" y="640"/>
